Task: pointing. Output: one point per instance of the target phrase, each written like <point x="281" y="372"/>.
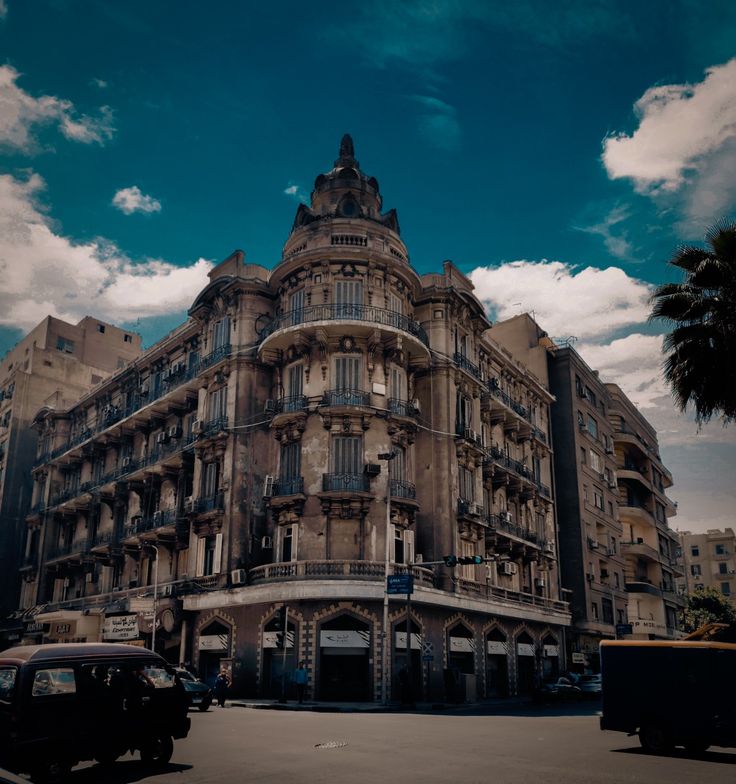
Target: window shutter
<point x="409" y="540"/>
<point x="296" y="380"/>
<point x="392" y="544"/>
<point x="200" y="556"/>
<point x="217" y="561"/>
<point x="294" y="540"/>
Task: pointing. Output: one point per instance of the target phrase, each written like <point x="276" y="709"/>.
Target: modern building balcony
<point x="640" y="549"/>
<point x="633" y="472"/>
<point x="364" y="321"/>
<point x="346" y="397"/>
<point x="670" y="595"/>
<point x="504" y="525"/>
<point x="336" y="570"/>
<point x="286" y="486"/>
<point x="643" y="586"/>
<point x="404" y="408"/>
<point x="635" y="511"/>
<point x="345" y="483"/>
<point x="645" y="449"/>
<point x="402" y="489"/>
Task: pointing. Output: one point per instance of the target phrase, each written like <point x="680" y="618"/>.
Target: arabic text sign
<point x="120" y="627"/>
<point x="343" y="639"/>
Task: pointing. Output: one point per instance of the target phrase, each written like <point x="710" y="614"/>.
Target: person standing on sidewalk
<point x="300" y="679"/>
<point x="222" y="684"/>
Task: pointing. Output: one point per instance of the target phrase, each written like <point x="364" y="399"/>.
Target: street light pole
<point x="387" y="456"/>
<point x="155" y="598"/>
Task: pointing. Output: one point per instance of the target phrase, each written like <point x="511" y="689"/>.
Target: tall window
<point x="295" y="381"/>
<point x="209" y="555"/>
<point x="221" y="333"/>
<point x="598" y="498"/>
<point x="467" y="484"/>
<point x="348" y="294"/>
<point x="347" y="373"/>
<point x="210" y="479"/>
<point x="464" y="412"/>
<point x="592" y="426"/>
<point x="296" y="306"/>
<point x="402" y="545"/>
<point x="467" y="549"/>
<point x="595" y="461"/>
<point x="461" y="344"/>
<point x="291" y="460"/>
<point x="289" y="535"/>
<point x="397" y="466"/>
<point x="395" y="303"/>
<point x="397" y="383"/>
<point x="347" y="455"/>
<point x="218" y="403"/>
<point x="607" y="608"/>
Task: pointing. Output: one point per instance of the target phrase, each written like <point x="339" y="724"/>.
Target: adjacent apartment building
<point x="308" y="428"/>
<point x="709" y="561"/>
<point x="587" y="494"/>
<point x="650" y="546"/>
<point x="55" y="364"/>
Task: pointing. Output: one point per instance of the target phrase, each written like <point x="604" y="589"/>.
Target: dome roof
<point x="345" y="192"/>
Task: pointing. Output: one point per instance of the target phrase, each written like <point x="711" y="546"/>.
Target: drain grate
<point x="331" y="744"/>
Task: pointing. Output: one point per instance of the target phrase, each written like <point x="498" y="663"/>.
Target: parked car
<point x="558" y="690"/>
<point x="64" y="703"/>
<point x="199" y="693"/>
<point x="589" y="685"/>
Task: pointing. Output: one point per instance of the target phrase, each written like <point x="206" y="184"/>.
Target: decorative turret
<point x="345" y="192"/>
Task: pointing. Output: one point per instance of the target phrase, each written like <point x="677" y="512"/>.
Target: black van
<point x="61" y="704"/>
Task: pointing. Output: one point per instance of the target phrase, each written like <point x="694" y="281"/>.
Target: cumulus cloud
<point x="686" y="136"/>
<point x="295" y="192"/>
<point x="20" y="112"/>
<point x="130" y="200"/>
<point x="45" y="273"/>
<point x="438" y="122"/>
<point x="604" y="300"/>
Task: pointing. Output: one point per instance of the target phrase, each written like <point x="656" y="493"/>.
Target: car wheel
<point x="697" y="746"/>
<point x="158" y="751"/>
<point x="51" y="771"/>
<point x="205" y="705"/>
<point x="655" y="738"/>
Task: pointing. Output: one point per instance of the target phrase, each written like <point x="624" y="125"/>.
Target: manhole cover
<point x="331" y="744"/>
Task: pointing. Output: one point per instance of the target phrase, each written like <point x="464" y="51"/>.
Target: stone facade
<point x="709" y="561"/>
<point x="304" y="427"/>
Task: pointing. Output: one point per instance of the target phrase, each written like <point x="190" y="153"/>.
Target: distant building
<point x="709" y="561"/>
<point x="305" y="425"/>
<point x="650" y="546"/>
<point x="587" y="494"/>
<point x="55" y="364"/>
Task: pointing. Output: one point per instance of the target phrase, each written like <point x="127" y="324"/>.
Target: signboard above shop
<point x="120" y="627"/>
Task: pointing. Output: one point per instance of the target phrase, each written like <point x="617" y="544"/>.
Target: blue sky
<point x="557" y="152"/>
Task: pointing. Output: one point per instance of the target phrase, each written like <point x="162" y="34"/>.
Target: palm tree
<point x="700" y="366"/>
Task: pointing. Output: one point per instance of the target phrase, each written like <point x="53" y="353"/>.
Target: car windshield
<point x="185" y="676"/>
<point x="589" y="678"/>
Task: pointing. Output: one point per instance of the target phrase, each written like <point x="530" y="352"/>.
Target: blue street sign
<point x="400" y="583"/>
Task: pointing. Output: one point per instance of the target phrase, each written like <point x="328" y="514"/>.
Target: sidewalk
<point x="483" y="706"/>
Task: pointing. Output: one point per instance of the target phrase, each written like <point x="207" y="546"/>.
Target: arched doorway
<point x="460" y="682"/>
<point x="344" y="673"/>
<point x="278" y="663"/>
<point x="214" y="645"/>
<point x="497" y="671"/>
<point x="525" y="664"/>
<point x="550" y="657"/>
<point x="401" y="661"/>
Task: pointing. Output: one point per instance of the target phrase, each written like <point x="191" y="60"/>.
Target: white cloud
<point x="130" y="200"/>
<point x="296" y="192"/>
<point x="438" y="122"/>
<point x="566" y="300"/>
<point x="45" y="273"/>
<point x="20" y="112"/>
<point x="3" y="9"/>
<point x="100" y="83"/>
<point x="614" y="237"/>
<point x="681" y="127"/>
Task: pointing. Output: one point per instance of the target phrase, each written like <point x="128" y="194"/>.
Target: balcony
<point x="77" y="548"/>
<point x="365" y="321"/>
<point x="217" y="354"/>
<point x="465" y="364"/>
<point x="346" y="397"/>
<point x="159" y="519"/>
<point x="519" y="598"/>
<point x="639" y="548"/>
<point x="643" y="586"/>
<point x="401" y="489"/>
<point x="506" y="525"/>
<point x="467" y="508"/>
<point x="289" y="486"/>
<point x="336" y="570"/>
<point x="399" y="407"/>
<point x="291" y="405"/>
<point x="345" y="483"/>
<point x="211" y="503"/>
<point x="519" y="473"/>
<point x="103" y="539"/>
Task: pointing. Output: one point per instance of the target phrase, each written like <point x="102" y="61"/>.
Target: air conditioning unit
<point x="539" y="582"/>
<point x="581" y="426"/>
<point x="506" y="516"/>
<point x="471" y="435"/>
<point x="415" y="405"/>
<point x="266" y="543"/>
<point x="371" y="469"/>
<point x="174" y="431"/>
<point x="268" y="486"/>
<point x="238" y="576"/>
<point x="269" y="407"/>
<point x="89" y="577"/>
<point x="609" y="449"/>
<point x="161" y="437"/>
<point x="594" y="544"/>
<point x="476" y="509"/>
<point x="612" y="484"/>
<point x="188" y="504"/>
<point x="507" y="568"/>
<point x="167" y="590"/>
<point x="418" y="558"/>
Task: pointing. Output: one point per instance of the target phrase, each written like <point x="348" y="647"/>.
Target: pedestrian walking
<point x="300" y="679"/>
<point x="222" y="685"/>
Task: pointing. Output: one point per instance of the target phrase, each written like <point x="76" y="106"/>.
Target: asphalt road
<point x="542" y="746"/>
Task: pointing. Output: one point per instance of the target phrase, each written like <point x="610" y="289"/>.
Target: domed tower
<point x="344" y="346"/>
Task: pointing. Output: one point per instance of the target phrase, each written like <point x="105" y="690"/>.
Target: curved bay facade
<point x="304" y="425"/>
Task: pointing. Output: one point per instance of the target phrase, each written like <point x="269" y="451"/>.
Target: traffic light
<point x="450" y="560"/>
<point x="281" y="627"/>
<point x="470" y="559"/>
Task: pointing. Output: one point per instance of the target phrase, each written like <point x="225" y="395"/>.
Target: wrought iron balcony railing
<point x="346" y="397"/>
<point x="463" y="362"/>
<point x="502" y="523"/>
<point x="345" y="483"/>
<point x="212" y="503"/>
<point x="289" y="486"/>
<point x="401" y="407"/>
<point x="347" y="312"/>
<point x="402" y="489"/>
<point x="290" y="405"/>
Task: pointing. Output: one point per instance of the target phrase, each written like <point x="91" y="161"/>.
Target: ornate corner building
<point x="305" y="426"/>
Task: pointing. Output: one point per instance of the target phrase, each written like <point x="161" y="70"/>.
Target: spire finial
<point x="346" y="147"/>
